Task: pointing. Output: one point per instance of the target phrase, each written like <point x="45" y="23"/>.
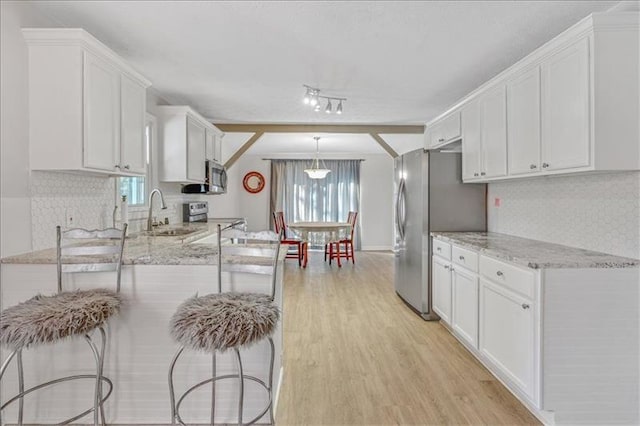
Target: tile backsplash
<point x="599" y="212"/>
<point x="89" y="200"/>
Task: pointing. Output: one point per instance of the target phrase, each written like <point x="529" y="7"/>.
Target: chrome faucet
<point x="163" y="206"/>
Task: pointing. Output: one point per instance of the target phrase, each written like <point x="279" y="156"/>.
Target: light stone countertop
<point x="146" y="248"/>
<point x="532" y="253"/>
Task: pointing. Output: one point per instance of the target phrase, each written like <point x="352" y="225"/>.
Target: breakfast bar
<point x="161" y="269"/>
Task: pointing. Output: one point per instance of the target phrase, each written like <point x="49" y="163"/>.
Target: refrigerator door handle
<point x="398" y="201"/>
<point x="403" y="205"/>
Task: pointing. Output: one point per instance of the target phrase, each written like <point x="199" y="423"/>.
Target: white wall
<point x="15" y="202"/>
<point x="376" y="196"/>
<point x="599" y="212"/>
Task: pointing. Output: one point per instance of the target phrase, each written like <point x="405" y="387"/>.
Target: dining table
<point x="333" y="231"/>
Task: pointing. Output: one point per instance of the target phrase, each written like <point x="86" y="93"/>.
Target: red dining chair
<point x="333" y="248"/>
<point x="300" y="252"/>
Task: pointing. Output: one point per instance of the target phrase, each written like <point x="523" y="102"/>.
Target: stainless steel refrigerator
<point x="429" y="196"/>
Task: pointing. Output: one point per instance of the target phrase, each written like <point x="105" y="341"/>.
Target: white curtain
<point x="309" y="200"/>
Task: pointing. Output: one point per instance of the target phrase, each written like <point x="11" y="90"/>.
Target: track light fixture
<point x="312" y="97"/>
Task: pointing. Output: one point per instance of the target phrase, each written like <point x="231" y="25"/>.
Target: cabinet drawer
<point x="464" y="257"/>
<point x="442" y="249"/>
<point x="519" y="280"/>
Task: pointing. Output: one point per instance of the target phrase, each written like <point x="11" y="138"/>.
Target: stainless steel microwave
<point x="215" y="181"/>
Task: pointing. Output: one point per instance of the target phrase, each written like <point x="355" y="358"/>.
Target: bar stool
<point x="48" y="319"/>
<point x="222" y="321"/>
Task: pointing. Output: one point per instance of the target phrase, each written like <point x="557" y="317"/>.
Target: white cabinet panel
<point x="471" y="141"/>
<point x="133" y="118"/>
<point x="507" y="334"/>
<point x="494" y="133"/>
<point x="101" y="114"/>
<point x="195" y="150"/>
<point x="523" y="118"/>
<point x="566" y="108"/>
<point x="465" y="305"/>
<point x="441" y="278"/>
<point x="211" y="145"/>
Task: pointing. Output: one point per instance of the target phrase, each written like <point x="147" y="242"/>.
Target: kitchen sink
<point x="173" y="232"/>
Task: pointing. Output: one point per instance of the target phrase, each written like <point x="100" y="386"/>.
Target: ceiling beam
<point x="321" y="128"/>
<point x="384" y="144"/>
<point x="253" y="139"/>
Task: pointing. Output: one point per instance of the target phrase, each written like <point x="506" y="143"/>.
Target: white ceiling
<point x="397" y="62"/>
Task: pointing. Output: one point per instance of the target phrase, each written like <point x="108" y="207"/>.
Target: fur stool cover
<point x="45" y="319"/>
<point x="223" y="321"/>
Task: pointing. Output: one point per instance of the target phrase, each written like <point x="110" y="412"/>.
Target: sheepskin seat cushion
<point x="223" y="321"/>
<point x="45" y="319"/>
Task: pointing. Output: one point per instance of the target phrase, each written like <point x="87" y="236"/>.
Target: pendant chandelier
<point x="317" y="172"/>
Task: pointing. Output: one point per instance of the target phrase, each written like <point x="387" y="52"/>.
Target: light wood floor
<point x="355" y="354"/>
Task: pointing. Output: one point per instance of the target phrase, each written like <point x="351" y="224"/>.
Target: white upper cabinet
<point x="133" y="101"/>
<point x="471" y="141"/>
<point x="101" y="111"/>
<point x="566" y="108"/>
<point x="523" y="116"/>
<point x="214" y="144"/>
<point x="196" y="150"/>
<point x="86" y="105"/>
<point x="188" y="142"/>
<point x="494" y="133"/>
<point x="445" y="131"/>
<point x="572" y="105"/>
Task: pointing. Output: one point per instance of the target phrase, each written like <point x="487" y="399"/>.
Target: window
<point x="316" y="200"/>
<point x="137" y="188"/>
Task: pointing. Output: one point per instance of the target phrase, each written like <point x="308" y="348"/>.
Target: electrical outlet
<point x="70" y="217"/>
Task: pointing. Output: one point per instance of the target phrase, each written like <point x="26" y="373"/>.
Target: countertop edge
<point x="613" y="261"/>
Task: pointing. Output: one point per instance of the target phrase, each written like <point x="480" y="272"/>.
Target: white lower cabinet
<point x="507" y="334"/>
<point x="441" y="279"/>
<point x="465" y="305"/>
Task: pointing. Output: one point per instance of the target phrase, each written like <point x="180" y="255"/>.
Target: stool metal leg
<point x="5" y="364"/>
<point x="213" y="388"/>
<point x="20" y="388"/>
<point x="241" y="387"/>
<point x="172" y="394"/>
<point x="97" y="405"/>
<point x="273" y="355"/>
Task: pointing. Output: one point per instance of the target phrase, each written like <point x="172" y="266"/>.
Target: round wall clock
<point x="253" y="182"/>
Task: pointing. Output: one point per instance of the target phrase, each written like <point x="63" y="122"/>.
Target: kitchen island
<point x="161" y="269"/>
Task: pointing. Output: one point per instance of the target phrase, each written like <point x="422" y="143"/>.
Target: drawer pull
<point x="482" y="173"/>
<point x="441" y="140"/>
<point x="525" y="306"/>
<point x="500" y="273"/>
<point x="446" y="266"/>
<point x="545" y="165"/>
<point x="439" y="248"/>
<point x="533" y="166"/>
<point x="461" y="257"/>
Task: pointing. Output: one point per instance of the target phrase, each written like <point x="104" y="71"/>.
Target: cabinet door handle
<point x="545" y="165"/>
<point x="127" y="167"/>
<point x="441" y="140"/>
<point x="439" y="249"/>
<point x="525" y="306"/>
<point x="499" y="273"/>
<point x="482" y="173"/>
<point x="461" y="257"/>
<point x="451" y="269"/>
<point x="476" y="174"/>
<point x="117" y="166"/>
<point x="533" y="166"/>
<point x="446" y="266"/>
